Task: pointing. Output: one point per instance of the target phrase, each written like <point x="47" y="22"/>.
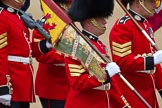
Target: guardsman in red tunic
<point x="155" y="20"/>
<point x="51" y="82"/>
<point x="15" y="59"/>
<point x="138" y="60"/>
<point x="86" y="91"/>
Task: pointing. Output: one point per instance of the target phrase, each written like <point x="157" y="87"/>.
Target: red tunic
<point x="132" y="52"/>
<point x="83" y="92"/>
<point x="51" y="80"/>
<point x="14" y="37"/>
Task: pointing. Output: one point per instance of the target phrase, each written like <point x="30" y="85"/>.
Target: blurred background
<point x="35" y="10"/>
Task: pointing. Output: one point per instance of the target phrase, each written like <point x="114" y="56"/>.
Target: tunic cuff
<point x="43" y="46"/>
<point x="108" y="78"/>
<point x="4" y="90"/>
<point x="149" y="63"/>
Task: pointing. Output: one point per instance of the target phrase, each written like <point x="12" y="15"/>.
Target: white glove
<point x="158" y="57"/>
<point x="112" y="68"/>
<point x="48" y="45"/>
<point x="5" y="99"/>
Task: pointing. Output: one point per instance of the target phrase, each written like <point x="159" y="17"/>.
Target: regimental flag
<point x="56" y="18"/>
<point x="69" y="42"/>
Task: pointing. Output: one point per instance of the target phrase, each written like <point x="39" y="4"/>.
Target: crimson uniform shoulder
<point x="123" y="20"/>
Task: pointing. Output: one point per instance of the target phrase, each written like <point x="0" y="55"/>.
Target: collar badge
<point x="9" y="9"/>
<point x="138" y="18"/>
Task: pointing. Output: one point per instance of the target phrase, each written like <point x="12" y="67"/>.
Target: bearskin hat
<point x="85" y="9"/>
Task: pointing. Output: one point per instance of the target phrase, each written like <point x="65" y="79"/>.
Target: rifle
<point x="29" y="22"/>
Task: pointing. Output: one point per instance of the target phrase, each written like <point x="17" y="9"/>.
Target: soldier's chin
<point x="19" y="1"/>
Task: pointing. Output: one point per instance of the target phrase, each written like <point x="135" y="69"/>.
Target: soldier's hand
<point x="49" y="44"/>
<point x="5" y="99"/>
<point x="158" y="57"/>
<point x="112" y="68"/>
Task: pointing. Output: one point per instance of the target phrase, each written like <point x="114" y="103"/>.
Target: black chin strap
<point x="90" y="36"/>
